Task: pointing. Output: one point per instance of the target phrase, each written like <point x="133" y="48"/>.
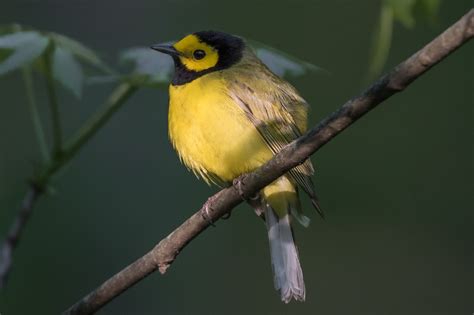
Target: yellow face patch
<point x="193" y="57"/>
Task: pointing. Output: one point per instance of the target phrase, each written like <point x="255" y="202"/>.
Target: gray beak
<point x="166" y="49"/>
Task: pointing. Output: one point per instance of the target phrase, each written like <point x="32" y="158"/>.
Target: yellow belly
<point x="211" y="133"/>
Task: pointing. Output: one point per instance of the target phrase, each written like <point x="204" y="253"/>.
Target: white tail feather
<point x="288" y="276"/>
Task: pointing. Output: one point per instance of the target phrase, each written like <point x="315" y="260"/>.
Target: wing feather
<point x="277" y="111"/>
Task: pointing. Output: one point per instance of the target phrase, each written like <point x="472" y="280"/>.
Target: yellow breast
<point x="211" y="133"/>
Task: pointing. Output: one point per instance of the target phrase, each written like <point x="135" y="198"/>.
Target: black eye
<point x="199" y="54"/>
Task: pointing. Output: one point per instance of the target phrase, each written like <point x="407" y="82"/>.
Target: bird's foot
<point x="238" y="185"/>
<point x="206" y="211"/>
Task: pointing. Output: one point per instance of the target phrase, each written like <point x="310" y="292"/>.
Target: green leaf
<point x="67" y="70"/>
<point x="25" y="47"/>
<point x="154" y="67"/>
<point x="15" y="40"/>
<point x="428" y="8"/>
<point x="82" y="52"/>
<point x="403" y="11"/>
<point x="281" y="63"/>
<point x="381" y="41"/>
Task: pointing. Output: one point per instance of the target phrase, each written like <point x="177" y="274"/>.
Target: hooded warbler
<point x="228" y="115"/>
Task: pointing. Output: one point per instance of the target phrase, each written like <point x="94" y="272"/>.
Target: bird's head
<point x="202" y="52"/>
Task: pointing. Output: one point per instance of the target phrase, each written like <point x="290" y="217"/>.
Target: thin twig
<point x="15" y="232"/>
<point x="116" y="99"/>
<point x="163" y="254"/>
<point x="39" y="184"/>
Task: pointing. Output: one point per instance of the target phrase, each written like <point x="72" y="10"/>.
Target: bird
<point x="228" y="115"/>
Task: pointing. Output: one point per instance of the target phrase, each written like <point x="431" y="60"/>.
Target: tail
<point x="288" y="275"/>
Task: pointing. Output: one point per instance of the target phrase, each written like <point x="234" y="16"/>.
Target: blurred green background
<point x="397" y="187"/>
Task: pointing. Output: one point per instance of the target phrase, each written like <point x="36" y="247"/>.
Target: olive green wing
<point x="278" y="112"/>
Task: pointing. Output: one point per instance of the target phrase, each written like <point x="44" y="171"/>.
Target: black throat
<point x="229" y="48"/>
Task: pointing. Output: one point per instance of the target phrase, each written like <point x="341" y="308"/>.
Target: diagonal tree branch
<point x="163" y="254"/>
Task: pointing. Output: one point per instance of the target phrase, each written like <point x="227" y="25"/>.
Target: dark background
<point x="396" y="187"/>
